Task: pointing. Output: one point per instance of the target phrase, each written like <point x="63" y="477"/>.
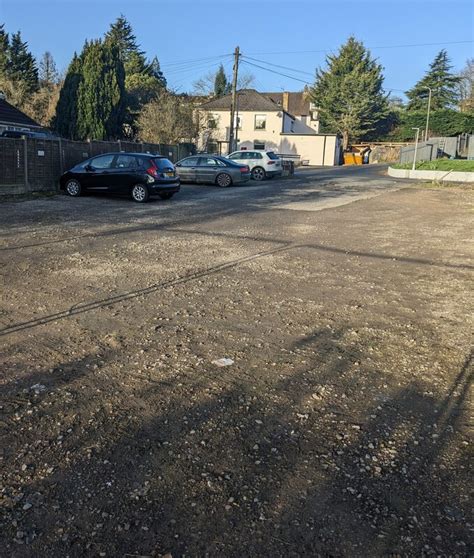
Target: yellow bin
<point x="352" y="159"/>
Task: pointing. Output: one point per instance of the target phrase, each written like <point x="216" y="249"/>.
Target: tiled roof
<point x="248" y="99"/>
<point x="11" y="115"/>
<point x="298" y="103"/>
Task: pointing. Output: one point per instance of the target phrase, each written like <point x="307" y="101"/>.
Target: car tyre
<point x="223" y="180"/>
<point x="166" y="195"/>
<point x="258" y="174"/>
<point x="140" y="193"/>
<point x="73" y="188"/>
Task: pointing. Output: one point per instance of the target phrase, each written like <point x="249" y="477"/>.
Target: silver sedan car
<point x="212" y="169"/>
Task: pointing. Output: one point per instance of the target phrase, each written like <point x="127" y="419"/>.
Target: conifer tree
<point x="349" y="93"/>
<point x="156" y="72"/>
<point x="444" y="86"/>
<point x="221" y="86"/>
<point x="22" y="65"/>
<point x="101" y="92"/>
<point x="65" y="121"/>
<point x="4" y="51"/>
<point x="143" y="80"/>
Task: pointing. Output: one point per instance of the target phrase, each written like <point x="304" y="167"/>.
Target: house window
<point x="259" y="145"/>
<point x="260" y="121"/>
<point x="211" y="121"/>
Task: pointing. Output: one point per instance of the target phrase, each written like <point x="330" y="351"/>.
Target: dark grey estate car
<point x="212" y="169"/>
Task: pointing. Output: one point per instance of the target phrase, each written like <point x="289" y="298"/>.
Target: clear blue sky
<point x="183" y="30"/>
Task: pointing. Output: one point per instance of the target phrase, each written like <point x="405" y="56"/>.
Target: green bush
<point x="442" y="123"/>
<point x="440" y="164"/>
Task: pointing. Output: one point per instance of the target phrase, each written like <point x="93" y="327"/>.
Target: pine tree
<point x="65" y="121"/>
<point x="143" y="80"/>
<point x="22" y="65"/>
<point x="121" y="35"/>
<point x="443" y="83"/>
<point x="349" y="93"/>
<point x="48" y="74"/>
<point x="155" y="70"/>
<point x="221" y="86"/>
<point x="101" y="94"/>
<point x="4" y="51"/>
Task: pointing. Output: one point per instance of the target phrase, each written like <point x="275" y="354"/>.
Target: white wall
<point x="316" y="149"/>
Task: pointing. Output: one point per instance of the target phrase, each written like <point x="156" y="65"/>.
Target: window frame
<point x="264" y="127"/>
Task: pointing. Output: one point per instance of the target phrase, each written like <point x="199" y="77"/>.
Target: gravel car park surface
<point x="341" y="428"/>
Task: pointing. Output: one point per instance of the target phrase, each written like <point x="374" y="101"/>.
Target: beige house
<point x="286" y="123"/>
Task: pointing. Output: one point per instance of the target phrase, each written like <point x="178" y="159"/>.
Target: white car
<point x="262" y="163"/>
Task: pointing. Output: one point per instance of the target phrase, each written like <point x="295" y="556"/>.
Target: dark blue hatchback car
<point x="139" y="175"/>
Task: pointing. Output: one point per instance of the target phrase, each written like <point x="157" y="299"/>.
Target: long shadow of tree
<point x="267" y="460"/>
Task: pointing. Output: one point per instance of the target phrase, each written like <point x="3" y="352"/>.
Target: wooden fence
<point x="35" y="164"/>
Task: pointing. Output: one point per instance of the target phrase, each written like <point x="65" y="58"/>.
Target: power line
<point x="191" y="61"/>
<point x="278" y="66"/>
<point x="275" y="72"/>
<point x="192" y="67"/>
<point x="371" y="48"/>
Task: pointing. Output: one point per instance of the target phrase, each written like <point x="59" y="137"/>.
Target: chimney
<point x="286" y="101"/>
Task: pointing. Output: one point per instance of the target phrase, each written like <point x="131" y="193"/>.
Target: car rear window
<point x="272" y="155"/>
<point x="162" y="163"/>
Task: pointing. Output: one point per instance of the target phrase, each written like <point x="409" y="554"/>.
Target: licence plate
<point x="169" y="174"/>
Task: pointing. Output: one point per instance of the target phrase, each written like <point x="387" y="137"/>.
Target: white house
<point x="286" y="123"/>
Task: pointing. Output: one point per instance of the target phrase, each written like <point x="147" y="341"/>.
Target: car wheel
<point x="223" y="180"/>
<point x="140" y="193"/>
<point x="167" y="195"/>
<point x="258" y="173"/>
<point x="73" y="188"/>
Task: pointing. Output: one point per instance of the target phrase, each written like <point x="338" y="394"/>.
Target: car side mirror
<point x="177" y="164"/>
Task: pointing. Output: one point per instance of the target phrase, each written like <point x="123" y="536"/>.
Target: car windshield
<point x="162" y="163"/>
<point x="272" y="155"/>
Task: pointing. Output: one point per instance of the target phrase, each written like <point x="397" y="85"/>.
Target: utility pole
<point x="428" y="114"/>
<point x="234" y="99"/>
<point x="416" y="147"/>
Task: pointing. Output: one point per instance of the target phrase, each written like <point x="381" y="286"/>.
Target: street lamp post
<point x="428" y="113"/>
<point x="416" y="147"/>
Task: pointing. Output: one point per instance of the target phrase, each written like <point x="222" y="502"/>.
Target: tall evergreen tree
<point x="65" y="121"/>
<point x="143" y="80"/>
<point x="4" y="51"/>
<point x="221" y="86"/>
<point x="48" y="73"/>
<point x="443" y="83"/>
<point x="121" y="35"/>
<point x="22" y="65"/>
<point x="101" y="94"/>
<point x="156" y="72"/>
<point x="349" y="93"/>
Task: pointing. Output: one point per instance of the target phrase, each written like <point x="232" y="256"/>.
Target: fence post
<point x="25" y="163"/>
<point x="119" y="145"/>
<point x="61" y="155"/>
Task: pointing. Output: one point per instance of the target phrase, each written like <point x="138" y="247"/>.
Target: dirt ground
<point x="342" y="426"/>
